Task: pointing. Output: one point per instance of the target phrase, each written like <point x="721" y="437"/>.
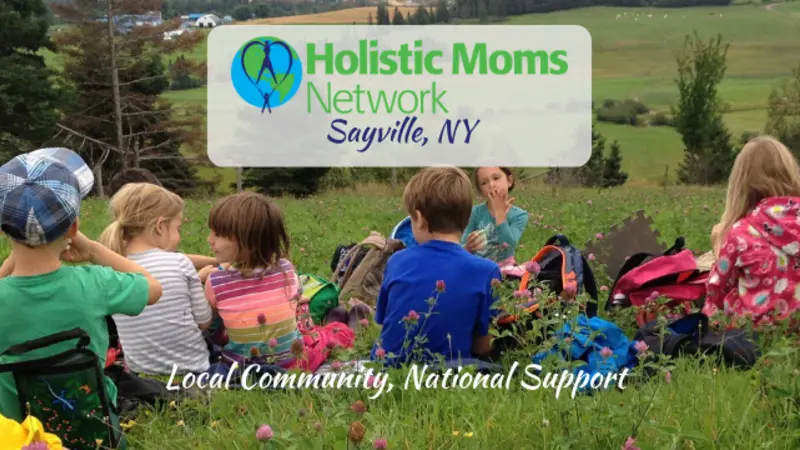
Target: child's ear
<point x="510" y="182"/>
<point x="73" y="229"/>
<point x="161" y="224"/>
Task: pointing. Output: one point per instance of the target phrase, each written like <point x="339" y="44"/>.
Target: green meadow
<point x="634" y="53"/>
<point x="689" y="403"/>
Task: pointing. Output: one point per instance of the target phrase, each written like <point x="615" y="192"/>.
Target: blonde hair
<point x="443" y="195"/>
<point x="136" y="209"/>
<point x="764" y="168"/>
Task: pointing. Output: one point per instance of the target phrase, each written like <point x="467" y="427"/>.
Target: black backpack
<point x="560" y="264"/>
<point x="691" y="335"/>
<point x="66" y="392"/>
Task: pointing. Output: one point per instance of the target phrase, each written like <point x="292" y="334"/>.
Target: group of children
<point x="173" y="309"/>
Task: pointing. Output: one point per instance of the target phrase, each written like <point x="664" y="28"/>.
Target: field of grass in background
<point x="700" y="408"/>
<point x="634" y="57"/>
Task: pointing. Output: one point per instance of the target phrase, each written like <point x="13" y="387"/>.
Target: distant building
<point x="208" y="21"/>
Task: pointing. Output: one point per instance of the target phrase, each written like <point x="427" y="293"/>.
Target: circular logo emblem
<point x="266" y="72"/>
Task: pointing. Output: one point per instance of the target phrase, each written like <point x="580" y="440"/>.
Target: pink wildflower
<point x="364" y="323"/>
<point x="264" y="433"/>
<point x="37" y="446"/>
<point x="604" y="288"/>
<point x="629" y="444"/>
<point x="380" y="353"/>
<point x="336" y="366"/>
<point x="641" y="346"/>
<point x="273" y="343"/>
<point x="599" y="236"/>
<point x="412" y="316"/>
<point x="668" y="377"/>
<point x="653" y="295"/>
<point x="381" y="444"/>
<point x="440" y="286"/>
<point x="589" y="203"/>
<point x="330" y="345"/>
<point x="262" y="319"/>
<point x="590" y="257"/>
<point x="522" y="294"/>
<point x="606" y="352"/>
<point x="533" y="267"/>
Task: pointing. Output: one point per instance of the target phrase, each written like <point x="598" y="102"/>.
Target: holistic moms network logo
<point x="266" y="72"/>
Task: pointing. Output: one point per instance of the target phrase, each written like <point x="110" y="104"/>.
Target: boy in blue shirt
<point x="436" y="298"/>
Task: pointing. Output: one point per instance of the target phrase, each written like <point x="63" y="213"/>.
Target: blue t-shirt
<point x="461" y="312"/>
<point x="501" y="240"/>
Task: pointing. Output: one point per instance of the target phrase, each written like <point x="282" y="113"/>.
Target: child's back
<point x="167" y="335"/>
<point x="67" y="298"/>
<point x="461" y="312"/>
<point x="259" y="312"/>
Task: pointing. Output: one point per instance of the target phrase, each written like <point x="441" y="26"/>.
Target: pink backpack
<point x="644" y="277"/>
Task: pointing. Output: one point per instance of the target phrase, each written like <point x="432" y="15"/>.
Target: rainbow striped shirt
<point x="256" y="310"/>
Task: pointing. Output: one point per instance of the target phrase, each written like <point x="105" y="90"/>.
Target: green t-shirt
<point x="72" y="296"/>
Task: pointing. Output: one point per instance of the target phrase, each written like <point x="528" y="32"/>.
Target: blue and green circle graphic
<point x="266" y="72"/>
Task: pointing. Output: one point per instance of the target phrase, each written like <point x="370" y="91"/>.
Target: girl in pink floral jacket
<point x="757" y="242"/>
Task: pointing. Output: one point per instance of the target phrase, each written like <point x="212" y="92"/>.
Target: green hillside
<point x="634" y="57"/>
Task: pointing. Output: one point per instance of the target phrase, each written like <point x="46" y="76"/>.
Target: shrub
<point x="661" y="120"/>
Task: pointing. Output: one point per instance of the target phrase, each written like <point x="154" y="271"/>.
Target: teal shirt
<point x="502" y="239"/>
<point x="70" y="297"/>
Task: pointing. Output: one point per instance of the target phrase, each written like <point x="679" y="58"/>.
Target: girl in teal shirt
<point x="496" y="225"/>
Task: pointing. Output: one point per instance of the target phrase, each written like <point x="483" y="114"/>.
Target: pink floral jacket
<point x="757" y="272"/>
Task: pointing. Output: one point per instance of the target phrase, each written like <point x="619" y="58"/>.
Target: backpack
<point x="323" y="296"/>
<point x="66" y="392"/>
<point x="561" y="266"/>
<point x="359" y="273"/>
<point x="691" y="335"/>
<point x="674" y="275"/>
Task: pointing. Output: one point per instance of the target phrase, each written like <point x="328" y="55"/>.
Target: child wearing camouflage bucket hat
<point x="40" y="200"/>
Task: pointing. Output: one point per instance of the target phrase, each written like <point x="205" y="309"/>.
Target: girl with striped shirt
<point x="259" y="294"/>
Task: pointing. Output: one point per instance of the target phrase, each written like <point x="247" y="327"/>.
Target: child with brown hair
<point x="439" y="202"/>
<point x="496" y="225"/>
<point x="167" y="336"/>
<point x="757" y="242"/>
<point x="257" y="296"/>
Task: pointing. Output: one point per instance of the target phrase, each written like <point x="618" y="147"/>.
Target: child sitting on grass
<point x="146" y="229"/>
<point x="257" y="296"/>
<point x="438" y="277"/>
<point x="496" y="225"/>
<point x="757" y="242"/>
<point x="40" y="199"/>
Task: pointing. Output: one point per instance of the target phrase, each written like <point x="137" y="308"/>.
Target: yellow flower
<point x="128" y="425"/>
<point x="214" y="425"/>
<point x="99" y="442"/>
<point x="172" y="404"/>
<point x="469" y="434"/>
<point x="180" y="423"/>
<point x="455" y="433"/>
<point x="16" y="435"/>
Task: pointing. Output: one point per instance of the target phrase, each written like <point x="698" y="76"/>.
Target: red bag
<point x="674" y="275"/>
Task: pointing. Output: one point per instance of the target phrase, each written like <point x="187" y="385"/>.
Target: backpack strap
<point x="559" y="239"/>
<point x="35" y="344"/>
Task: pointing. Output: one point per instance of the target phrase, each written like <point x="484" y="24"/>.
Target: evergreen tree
<point x="591" y="172"/>
<point x="420" y="16"/>
<point x="29" y="101"/>
<point x="154" y="135"/>
<point x="708" y="152"/>
<point x="398" y="17"/>
<point x="300" y="182"/>
<point x="369" y="19"/>
<point x="612" y="168"/>
<point x="442" y="13"/>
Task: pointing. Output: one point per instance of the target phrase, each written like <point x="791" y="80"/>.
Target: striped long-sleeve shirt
<point x="167" y="333"/>
<point x="257" y="309"/>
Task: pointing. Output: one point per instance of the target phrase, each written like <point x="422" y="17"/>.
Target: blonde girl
<point x="259" y="293"/>
<point x="757" y="242"/>
<point x="146" y="229"/>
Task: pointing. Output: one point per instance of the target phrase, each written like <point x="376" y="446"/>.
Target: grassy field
<point x="699" y="406"/>
<point x="634" y="57"/>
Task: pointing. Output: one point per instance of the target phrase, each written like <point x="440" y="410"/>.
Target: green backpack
<point x="66" y="392"/>
<point x="323" y="296"/>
